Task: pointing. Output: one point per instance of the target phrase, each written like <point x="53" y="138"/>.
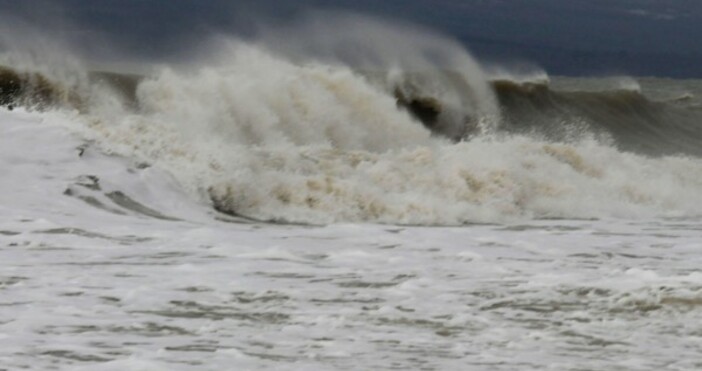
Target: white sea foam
<point x="93" y="281"/>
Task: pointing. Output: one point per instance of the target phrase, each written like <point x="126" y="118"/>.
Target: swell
<point x="631" y="120"/>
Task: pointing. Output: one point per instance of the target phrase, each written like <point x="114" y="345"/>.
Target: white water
<point x="90" y="282"/>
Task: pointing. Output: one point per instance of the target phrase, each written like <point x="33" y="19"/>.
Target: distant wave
<point x="634" y="122"/>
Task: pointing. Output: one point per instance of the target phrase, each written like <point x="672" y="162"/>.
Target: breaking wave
<point x="261" y="133"/>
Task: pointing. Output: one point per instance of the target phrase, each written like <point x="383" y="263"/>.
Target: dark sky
<point x="573" y="37"/>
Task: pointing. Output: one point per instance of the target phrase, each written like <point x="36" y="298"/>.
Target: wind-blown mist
<point x="408" y="58"/>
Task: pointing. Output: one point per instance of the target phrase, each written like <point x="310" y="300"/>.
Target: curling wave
<point x="631" y="120"/>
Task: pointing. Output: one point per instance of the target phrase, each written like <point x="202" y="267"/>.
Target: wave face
<point x="613" y="109"/>
<point x="260" y="133"/>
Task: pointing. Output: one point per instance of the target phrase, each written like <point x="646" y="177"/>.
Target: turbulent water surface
<point x="401" y="209"/>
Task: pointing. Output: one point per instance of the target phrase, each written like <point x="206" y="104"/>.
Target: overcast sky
<point x="640" y="37"/>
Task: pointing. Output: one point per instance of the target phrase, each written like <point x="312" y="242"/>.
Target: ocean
<point x="402" y="208"/>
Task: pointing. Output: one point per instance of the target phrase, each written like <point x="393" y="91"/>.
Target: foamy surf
<point x="108" y="265"/>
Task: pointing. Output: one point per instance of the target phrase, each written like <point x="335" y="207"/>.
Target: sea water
<point x="261" y="210"/>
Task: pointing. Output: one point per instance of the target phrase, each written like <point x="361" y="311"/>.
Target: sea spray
<point x="405" y="59"/>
